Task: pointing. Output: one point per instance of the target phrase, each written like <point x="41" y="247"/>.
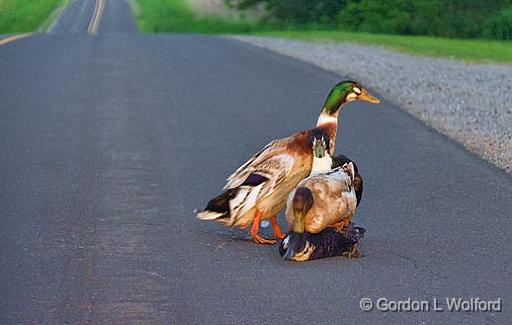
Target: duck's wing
<point x="264" y="178"/>
<point x="257" y="161"/>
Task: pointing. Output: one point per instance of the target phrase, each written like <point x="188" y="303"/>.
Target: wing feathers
<point x="241" y="174"/>
<point x="264" y="179"/>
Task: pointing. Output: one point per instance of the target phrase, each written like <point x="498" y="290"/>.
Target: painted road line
<point x="94" y="24"/>
<point x="12" y="38"/>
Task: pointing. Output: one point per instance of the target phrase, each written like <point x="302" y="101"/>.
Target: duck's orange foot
<point x="277" y="230"/>
<point x="255" y="229"/>
<point x="260" y="240"/>
<point x="341" y="225"/>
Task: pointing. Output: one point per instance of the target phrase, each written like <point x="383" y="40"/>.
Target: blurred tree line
<point x="447" y="18"/>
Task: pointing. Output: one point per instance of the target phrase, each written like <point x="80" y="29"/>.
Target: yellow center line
<point x="94" y="24"/>
<point x="11" y="38"/>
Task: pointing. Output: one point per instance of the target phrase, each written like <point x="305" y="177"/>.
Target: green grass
<point x="468" y="50"/>
<point x="175" y="16"/>
<point x="19" y="16"/>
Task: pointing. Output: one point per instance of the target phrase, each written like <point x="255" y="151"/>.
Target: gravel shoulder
<point x="470" y="103"/>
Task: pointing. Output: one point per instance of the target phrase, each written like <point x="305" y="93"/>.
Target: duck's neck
<point x="321" y="165"/>
<point x="329" y="122"/>
<point x="298" y="226"/>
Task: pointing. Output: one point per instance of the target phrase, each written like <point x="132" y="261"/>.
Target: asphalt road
<point x="108" y="142"/>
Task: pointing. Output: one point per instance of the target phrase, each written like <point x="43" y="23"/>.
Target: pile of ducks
<point x="321" y="191"/>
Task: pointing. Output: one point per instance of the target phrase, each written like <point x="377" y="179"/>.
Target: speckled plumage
<point x="333" y="200"/>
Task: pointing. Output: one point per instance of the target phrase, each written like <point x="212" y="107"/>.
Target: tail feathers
<point x="218" y="207"/>
<point x="209" y="215"/>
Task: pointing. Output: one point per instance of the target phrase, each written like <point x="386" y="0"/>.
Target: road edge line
<point x="12" y="38"/>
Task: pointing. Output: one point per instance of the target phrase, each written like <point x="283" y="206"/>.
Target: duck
<point x="301" y="246"/>
<point x="327" y="199"/>
<point x="258" y="189"/>
<point x="253" y="193"/>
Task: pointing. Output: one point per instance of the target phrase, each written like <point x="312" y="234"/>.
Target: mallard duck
<point x="259" y="188"/>
<point x="263" y="189"/>
<point x="323" y="200"/>
<point x="301" y="246"/>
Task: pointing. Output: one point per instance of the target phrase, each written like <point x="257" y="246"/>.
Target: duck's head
<point x="344" y="92"/>
<point x="319" y="141"/>
<point x="296" y="247"/>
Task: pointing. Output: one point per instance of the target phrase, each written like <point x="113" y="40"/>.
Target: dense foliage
<point x="295" y="12"/>
<point x="500" y="25"/>
<point x="448" y="18"/>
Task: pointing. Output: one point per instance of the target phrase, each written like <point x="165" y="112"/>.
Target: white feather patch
<point x="351" y="97"/>
<point x="252" y="196"/>
<point x="244" y="201"/>
<point x="326" y="119"/>
<point x="285" y="242"/>
<point x="321" y="165"/>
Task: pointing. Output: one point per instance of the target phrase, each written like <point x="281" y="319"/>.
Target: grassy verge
<point x="19" y="16"/>
<point x="469" y="50"/>
<point x="176" y="16"/>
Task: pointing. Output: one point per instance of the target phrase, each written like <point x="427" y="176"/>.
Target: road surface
<point x="109" y="141"/>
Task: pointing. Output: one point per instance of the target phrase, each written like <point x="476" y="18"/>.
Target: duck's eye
<point x="357" y="90"/>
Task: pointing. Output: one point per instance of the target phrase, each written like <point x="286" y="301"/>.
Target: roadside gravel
<point x="471" y="103"/>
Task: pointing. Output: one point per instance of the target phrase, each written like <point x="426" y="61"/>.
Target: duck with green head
<point x="342" y="93"/>
<point x="259" y="188"/>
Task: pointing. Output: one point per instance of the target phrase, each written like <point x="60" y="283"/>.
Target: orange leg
<point x="255" y="229"/>
<point x="277" y="230"/>
<point x="341" y="225"/>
